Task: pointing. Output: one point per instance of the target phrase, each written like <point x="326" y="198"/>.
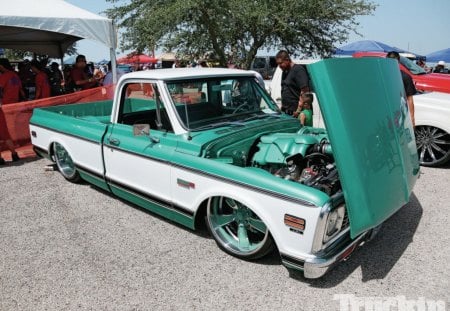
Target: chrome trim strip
<point x="247" y="186"/>
<point x="89" y="172"/>
<point x="216" y="177"/>
<point x="65" y="133"/>
<point x="151" y="199"/>
<point x="137" y="193"/>
<point x="196" y="171"/>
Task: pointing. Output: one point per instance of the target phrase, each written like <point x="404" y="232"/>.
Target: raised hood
<point x="367" y="119"/>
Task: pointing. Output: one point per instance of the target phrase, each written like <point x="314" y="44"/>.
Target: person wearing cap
<point x="79" y="76"/>
<point x="408" y="84"/>
<point x="440" y="68"/>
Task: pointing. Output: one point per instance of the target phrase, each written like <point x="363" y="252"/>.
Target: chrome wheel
<point x="65" y="164"/>
<point x="433" y="145"/>
<point x="237" y="229"/>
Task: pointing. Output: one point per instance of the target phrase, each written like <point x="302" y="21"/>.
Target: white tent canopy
<point x="50" y="26"/>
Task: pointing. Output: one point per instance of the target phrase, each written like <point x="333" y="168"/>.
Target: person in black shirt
<point x="294" y="82"/>
<point x="56" y="78"/>
<point x="408" y="84"/>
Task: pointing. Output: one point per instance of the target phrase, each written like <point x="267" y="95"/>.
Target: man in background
<point x="80" y="78"/>
<point x="408" y="84"/>
<point x="294" y="82"/>
<point x="56" y="80"/>
<point x="41" y="80"/>
<point x="11" y="88"/>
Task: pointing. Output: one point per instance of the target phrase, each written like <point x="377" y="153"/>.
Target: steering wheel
<point x="241" y="107"/>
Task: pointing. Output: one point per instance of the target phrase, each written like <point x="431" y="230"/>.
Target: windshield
<point x="412" y="67"/>
<point x="214" y="102"/>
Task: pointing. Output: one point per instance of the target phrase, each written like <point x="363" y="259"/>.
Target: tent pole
<point x="61" y="54"/>
<point x="112" y="52"/>
<point x="113" y="64"/>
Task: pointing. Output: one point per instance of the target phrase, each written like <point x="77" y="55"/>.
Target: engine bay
<point x="305" y="157"/>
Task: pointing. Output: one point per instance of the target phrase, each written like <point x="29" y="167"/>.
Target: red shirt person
<point x="9" y="83"/>
<point x="79" y="76"/>
<point x="11" y="88"/>
<point x="41" y="80"/>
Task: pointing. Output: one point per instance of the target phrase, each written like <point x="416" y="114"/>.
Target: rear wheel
<point x="65" y="163"/>
<point x="237" y="229"/>
<point x="433" y="145"/>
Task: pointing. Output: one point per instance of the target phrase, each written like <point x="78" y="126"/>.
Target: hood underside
<point x="367" y="119"/>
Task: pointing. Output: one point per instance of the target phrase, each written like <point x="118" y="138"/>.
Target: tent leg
<point x="113" y="64"/>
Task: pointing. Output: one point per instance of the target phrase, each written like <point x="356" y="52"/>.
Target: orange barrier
<point x="23" y="152"/>
<point x="18" y="115"/>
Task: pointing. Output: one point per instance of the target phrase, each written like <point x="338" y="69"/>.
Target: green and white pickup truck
<point x="210" y="145"/>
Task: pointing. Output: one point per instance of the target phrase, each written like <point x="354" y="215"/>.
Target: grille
<point x="345" y="221"/>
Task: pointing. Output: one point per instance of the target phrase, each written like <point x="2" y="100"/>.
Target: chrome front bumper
<point x="315" y="267"/>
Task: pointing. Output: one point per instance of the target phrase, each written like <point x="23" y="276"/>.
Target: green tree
<point x="236" y="29"/>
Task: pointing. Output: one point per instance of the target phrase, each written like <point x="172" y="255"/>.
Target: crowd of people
<point x="33" y="80"/>
<point x="36" y="80"/>
<point x="440" y="67"/>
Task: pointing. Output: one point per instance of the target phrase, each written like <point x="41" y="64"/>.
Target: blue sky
<point x="415" y="25"/>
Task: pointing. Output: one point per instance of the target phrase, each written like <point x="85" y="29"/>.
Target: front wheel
<point x="65" y="164"/>
<point x="433" y="145"/>
<point x="237" y="229"/>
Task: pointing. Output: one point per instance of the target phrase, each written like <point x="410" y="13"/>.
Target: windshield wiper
<point x="262" y="116"/>
<point x="219" y="124"/>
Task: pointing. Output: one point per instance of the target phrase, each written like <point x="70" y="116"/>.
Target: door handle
<point x="114" y="141"/>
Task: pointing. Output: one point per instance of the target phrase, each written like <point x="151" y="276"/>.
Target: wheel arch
<point x="434" y="123"/>
<point x="51" y="151"/>
<point x="254" y="205"/>
<point x="51" y="144"/>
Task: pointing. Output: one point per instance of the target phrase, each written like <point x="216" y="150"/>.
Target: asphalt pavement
<point x="67" y="246"/>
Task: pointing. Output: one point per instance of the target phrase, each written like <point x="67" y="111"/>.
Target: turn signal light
<point x="294" y="222"/>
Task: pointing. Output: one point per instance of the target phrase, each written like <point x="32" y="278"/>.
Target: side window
<point x="138" y="97"/>
<point x="141" y="104"/>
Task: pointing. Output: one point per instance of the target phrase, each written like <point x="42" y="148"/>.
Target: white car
<point x="432" y="116"/>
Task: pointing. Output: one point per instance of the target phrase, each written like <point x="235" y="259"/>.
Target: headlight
<point x="334" y="223"/>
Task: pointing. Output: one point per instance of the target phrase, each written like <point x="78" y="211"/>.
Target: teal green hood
<point x="367" y="120"/>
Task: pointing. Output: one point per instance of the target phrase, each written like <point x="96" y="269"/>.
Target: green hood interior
<point x="367" y="119"/>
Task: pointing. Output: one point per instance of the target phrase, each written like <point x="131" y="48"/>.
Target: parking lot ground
<point x="71" y="246"/>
